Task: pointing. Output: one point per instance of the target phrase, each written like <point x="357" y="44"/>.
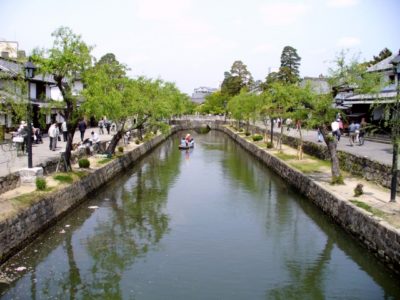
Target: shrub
<point x="257" y="137"/>
<point x="137" y="142"/>
<point x="121" y="149"/>
<point x="84" y="163"/>
<point x="247" y="133"/>
<point x="270" y="145"/>
<point x="358" y="190"/>
<point x="41" y="183"/>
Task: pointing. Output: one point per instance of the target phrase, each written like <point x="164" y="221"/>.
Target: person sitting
<point x="183" y="142"/>
<point x="94" y="138"/>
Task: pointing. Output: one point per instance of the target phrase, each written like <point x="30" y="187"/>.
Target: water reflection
<point x="89" y="259"/>
<point x="210" y="223"/>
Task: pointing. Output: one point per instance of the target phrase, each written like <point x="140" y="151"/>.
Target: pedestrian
<point x="107" y="124"/>
<point x="357" y="131"/>
<point x="319" y="134"/>
<point x="101" y="126"/>
<point x="23" y="132"/>
<point x="82" y="128"/>
<point x="361" y="135"/>
<point x="288" y="123"/>
<point x="64" y="130"/>
<point x="335" y="129"/>
<point x="298" y="125"/>
<point x="53" y="135"/>
<point x="352" y="133"/>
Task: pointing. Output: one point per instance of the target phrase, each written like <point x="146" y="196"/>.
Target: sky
<point x="193" y="42"/>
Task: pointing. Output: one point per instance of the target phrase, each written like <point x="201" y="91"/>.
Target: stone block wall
<point x="379" y="237"/>
<point x="17" y="231"/>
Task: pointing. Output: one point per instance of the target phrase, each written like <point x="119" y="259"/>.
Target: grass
<point x="368" y="208"/>
<point x="104" y="161"/>
<point x="64" y="178"/>
<point x="29" y="198"/>
<point x="310" y="167"/>
<point x="285" y="156"/>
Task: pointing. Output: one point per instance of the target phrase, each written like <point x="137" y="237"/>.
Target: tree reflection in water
<point x="89" y="260"/>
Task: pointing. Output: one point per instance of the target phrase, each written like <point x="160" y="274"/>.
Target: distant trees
<point x="238" y="77"/>
<point x="290" y="63"/>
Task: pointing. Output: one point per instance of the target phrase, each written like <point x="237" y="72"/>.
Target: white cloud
<point x="210" y="42"/>
<point x="263" y="48"/>
<point x="161" y="10"/>
<point x="348" y="42"/>
<point x="278" y="14"/>
<point x="342" y="3"/>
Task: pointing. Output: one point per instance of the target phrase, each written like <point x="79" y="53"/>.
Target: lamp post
<point x="395" y="131"/>
<point x="29" y="74"/>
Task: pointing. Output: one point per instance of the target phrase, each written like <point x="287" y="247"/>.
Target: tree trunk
<point x="272" y="132"/>
<point x="114" y="141"/>
<point x="68" y="147"/>
<point x="300" y="147"/>
<point x="331" y="143"/>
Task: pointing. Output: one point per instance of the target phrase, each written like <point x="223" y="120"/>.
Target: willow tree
<point x="244" y="107"/>
<point x="66" y="61"/>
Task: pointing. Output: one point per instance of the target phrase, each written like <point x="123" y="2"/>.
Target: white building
<point x="199" y="94"/>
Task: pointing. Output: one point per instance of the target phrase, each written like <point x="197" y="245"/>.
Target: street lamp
<point x="395" y="131"/>
<point x="29" y="74"/>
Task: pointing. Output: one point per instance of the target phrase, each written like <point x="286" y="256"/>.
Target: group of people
<point x="21" y="135"/>
<point x="185" y="141"/>
<point x="356" y="130"/>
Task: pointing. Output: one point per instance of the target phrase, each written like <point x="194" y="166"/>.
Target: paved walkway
<point x="10" y="162"/>
<point x="380" y="152"/>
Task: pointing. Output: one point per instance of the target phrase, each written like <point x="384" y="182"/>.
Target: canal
<point x="209" y="223"/>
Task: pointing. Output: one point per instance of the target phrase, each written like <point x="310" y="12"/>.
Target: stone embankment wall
<point x="49" y="166"/>
<point x="357" y="165"/>
<point x="15" y="232"/>
<point x="378" y="236"/>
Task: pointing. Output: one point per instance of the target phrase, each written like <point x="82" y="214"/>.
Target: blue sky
<point x="192" y="42"/>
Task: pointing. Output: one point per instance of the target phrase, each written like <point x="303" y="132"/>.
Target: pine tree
<point x="290" y="62"/>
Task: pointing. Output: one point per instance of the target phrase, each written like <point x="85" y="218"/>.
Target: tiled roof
<point x="383" y="65"/>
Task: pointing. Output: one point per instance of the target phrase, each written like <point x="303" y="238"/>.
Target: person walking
<point x="82" y="128"/>
<point x="319" y="134"/>
<point x="361" y="135"/>
<point x="64" y="130"/>
<point x="101" y="126"/>
<point x="352" y="133"/>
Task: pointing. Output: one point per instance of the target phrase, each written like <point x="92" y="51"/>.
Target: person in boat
<point x="183" y="142"/>
<point x="189" y="139"/>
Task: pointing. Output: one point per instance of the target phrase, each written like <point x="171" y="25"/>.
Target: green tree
<point x="66" y="61"/>
<point x="381" y="56"/>
<point x="290" y="62"/>
<point x="243" y="107"/>
<point x="238" y="78"/>
<point x="216" y="103"/>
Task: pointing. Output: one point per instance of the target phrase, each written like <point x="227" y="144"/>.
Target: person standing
<point x="53" y="136"/>
<point x="361" y="135"/>
<point x="101" y="125"/>
<point x="82" y="128"/>
<point x="64" y="130"/>
<point x="336" y="129"/>
<point x="352" y="133"/>
<point x="319" y="134"/>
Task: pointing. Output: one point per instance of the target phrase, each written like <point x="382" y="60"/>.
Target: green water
<point x="211" y="223"/>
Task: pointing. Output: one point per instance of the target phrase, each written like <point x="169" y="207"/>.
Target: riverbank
<point x="380" y="234"/>
<point x="377" y="228"/>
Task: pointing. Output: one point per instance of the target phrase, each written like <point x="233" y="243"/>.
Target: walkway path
<point x="10" y="162"/>
<point x="373" y="150"/>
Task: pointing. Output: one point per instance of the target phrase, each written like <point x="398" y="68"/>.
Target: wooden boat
<point x="184" y="147"/>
